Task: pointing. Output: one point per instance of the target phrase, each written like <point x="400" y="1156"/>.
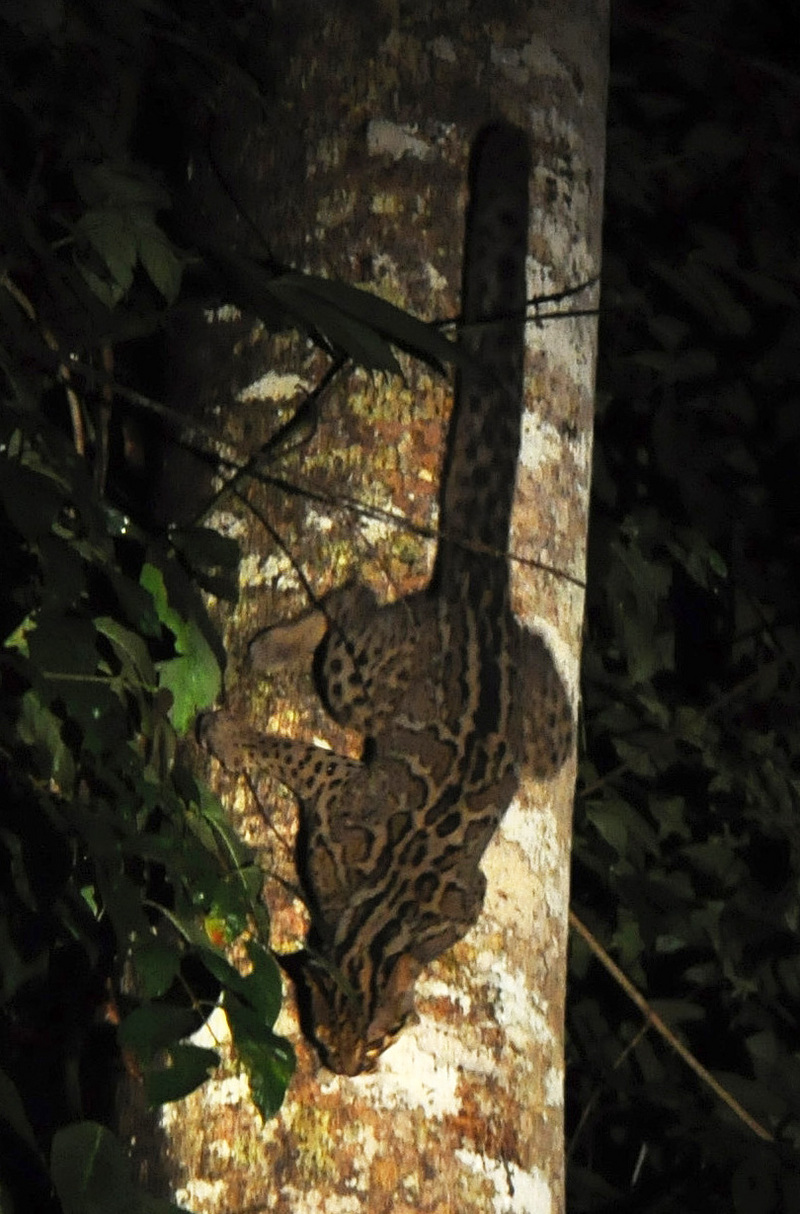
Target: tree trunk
<point x="358" y="172"/>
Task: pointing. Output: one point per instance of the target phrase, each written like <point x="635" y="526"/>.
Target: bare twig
<point x="652" y="1019"/>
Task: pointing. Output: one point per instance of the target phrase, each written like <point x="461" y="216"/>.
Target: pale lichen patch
<point x="511" y="999"/>
<point x="541" y="445"/>
<point x="276" y="572"/>
<point x="386" y="138"/>
<point x="536" y="833"/>
<point x="434" y="988"/>
<point x="436" y="280"/>
<point x="274" y="386"/>
<point x="227" y="1093"/>
<point x="554" y="1087"/>
<point x="516" y="1191"/>
<point x="414" y="1077"/>
<point x="201" y="1194"/>
<point x="231" y="525"/>
<point x="226" y="314"/>
<point x="220" y="1150"/>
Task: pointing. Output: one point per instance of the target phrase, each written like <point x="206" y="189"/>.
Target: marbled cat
<point x="452" y="695"/>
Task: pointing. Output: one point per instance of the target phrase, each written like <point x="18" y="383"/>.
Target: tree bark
<point x="358" y="171"/>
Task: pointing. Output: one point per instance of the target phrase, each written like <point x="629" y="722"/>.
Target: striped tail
<point x="483" y="441"/>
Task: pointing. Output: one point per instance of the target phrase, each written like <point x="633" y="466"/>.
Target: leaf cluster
<point x="123" y="886"/>
<point x="687" y="850"/>
<point x="123" y="882"/>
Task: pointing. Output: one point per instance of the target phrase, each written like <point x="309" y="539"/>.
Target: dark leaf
<point x="90" y="1171"/>
<point x="187" y="1067"/>
<point x="155" y="1026"/>
<point x="156" y="964"/>
<point x="204" y="548"/>
<point x="268" y="1059"/>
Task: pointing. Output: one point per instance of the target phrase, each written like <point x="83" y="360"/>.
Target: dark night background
<point x="687" y="845"/>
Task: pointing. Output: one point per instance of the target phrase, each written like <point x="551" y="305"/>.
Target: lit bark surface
<point x="359" y="172"/>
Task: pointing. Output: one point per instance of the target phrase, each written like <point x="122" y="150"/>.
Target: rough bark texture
<point x="358" y="171"/>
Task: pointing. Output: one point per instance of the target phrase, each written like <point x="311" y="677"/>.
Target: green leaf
<point x="16" y="970"/>
<point x="715" y="857"/>
<point x="156" y="964"/>
<point x="39" y="728"/>
<point x="264" y="988"/>
<point x="637" y="758"/>
<point x="268" y="1059"/>
<point x="671" y="331"/>
<point x="636" y="590"/>
<point x="702" y="562"/>
<point x="213" y="560"/>
<point x="111" y="236"/>
<point x="137" y="665"/>
<point x="695" y="728"/>
<point x="225" y="973"/>
<point x="233" y="897"/>
<point x="155" y="1026"/>
<point x="194" y="678"/>
<point x="671" y="818"/>
<point x="370" y="310"/>
<point x="715" y="141"/>
<point x="756" y="1186"/>
<point x="260" y="990"/>
<point x="64" y="649"/>
<point x="186" y="1068"/>
<point x="122" y="184"/>
<point x="136" y="602"/>
<point x="160" y="260"/>
<point x="770" y="288"/>
<point x="92" y="1175"/>
<point x="703" y="288"/>
<point x="361" y="324"/>
<point x="692" y="364"/>
<point x="90" y="1171"/>
<point x="360" y="342"/>
<point x="627" y="940"/>
<point x="152" y="579"/>
<point x="608" y="823"/>
<point x="677" y="1011"/>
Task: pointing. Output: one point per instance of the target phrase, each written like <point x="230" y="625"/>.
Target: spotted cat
<point x="452" y="695"/>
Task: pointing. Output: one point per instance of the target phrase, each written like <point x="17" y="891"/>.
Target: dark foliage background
<point x="120" y="881"/>
<point x="687" y="856"/>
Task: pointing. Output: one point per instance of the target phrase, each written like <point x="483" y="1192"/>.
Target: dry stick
<point x="658" y="1024"/>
